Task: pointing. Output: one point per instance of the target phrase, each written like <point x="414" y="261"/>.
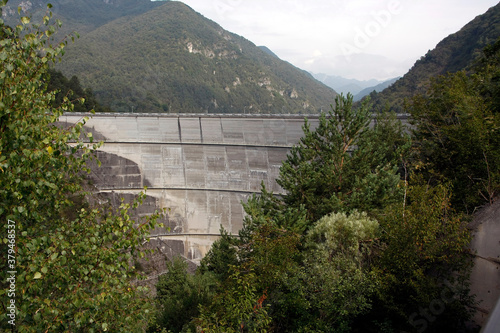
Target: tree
<point x="268" y="209"/>
<point x="488" y="69"/>
<point x="423" y="264"/>
<point x="71" y="260"/>
<point x="179" y="296"/>
<point x="340" y="283"/>
<point x="343" y="164"/>
<point x="457" y="132"/>
<point x="221" y="256"/>
<point x="237" y="308"/>
<point x="71" y="88"/>
<point x="268" y="258"/>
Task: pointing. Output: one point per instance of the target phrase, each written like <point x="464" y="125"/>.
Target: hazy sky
<point x="360" y="39"/>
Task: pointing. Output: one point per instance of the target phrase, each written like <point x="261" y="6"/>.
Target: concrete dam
<point x="199" y="167"/>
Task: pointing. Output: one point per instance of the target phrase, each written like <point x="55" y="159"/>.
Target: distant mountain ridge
<point x="165" y="57"/>
<point x="344" y="85"/>
<point x="377" y="88"/>
<point x="458" y="51"/>
<point x="358" y="88"/>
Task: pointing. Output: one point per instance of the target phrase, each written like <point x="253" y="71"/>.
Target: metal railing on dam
<point x="199" y="166"/>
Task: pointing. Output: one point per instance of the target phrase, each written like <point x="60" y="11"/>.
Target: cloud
<point x="359" y="66"/>
<point x="314" y="35"/>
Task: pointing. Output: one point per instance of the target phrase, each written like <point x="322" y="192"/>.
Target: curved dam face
<point x="199" y="167"/>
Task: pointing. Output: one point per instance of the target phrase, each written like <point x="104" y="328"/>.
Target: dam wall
<point x="199" y="167"/>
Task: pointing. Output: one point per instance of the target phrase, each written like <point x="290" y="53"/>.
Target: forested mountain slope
<point x="81" y="16"/>
<point x="456" y="52"/>
<point x="172" y="59"/>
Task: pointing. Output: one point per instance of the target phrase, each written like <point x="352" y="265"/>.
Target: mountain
<point x="378" y="88"/>
<point x="78" y="15"/>
<point x="344" y="85"/>
<point x="456" y="52"/>
<point x="165" y="57"/>
<point x="357" y="88"/>
<point x="268" y="51"/>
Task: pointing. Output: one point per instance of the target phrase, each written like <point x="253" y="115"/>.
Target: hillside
<point x="454" y="53"/>
<point x="172" y="59"/>
<point x="377" y="88"/>
<point x="80" y="16"/>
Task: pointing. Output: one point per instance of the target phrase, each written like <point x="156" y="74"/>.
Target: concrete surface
<point x="200" y="167"/>
<point x="485" y="276"/>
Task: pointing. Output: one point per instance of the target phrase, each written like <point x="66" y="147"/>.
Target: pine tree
<point x="344" y="164"/>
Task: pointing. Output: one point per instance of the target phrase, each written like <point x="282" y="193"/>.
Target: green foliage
<point x="319" y="287"/>
<point x="72" y="259"/>
<point x="339" y="234"/>
<point x="238" y="308"/>
<point x="488" y="70"/>
<point x="271" y="254"/>
<point x="424" y="249"/>
<point x="71" y="88"/>
<point x="457" y="137"/>
<point x="339" y="282"/>
<point x="221" y="256"/>
<point x="424" y="233"/>
<point x="343" y="164"/>
<point x="266" y="209"/>
<point x="179" y="295"/>
<point x="263" y="280"/>
<point x="97" y="12"/>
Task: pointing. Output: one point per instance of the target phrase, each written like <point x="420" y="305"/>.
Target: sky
<point x="358" y="39"/>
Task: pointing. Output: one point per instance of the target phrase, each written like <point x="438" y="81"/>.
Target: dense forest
<point x="83" y="99"/>
<point x="97" y="12"/>
<point x="371" y="236"/>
